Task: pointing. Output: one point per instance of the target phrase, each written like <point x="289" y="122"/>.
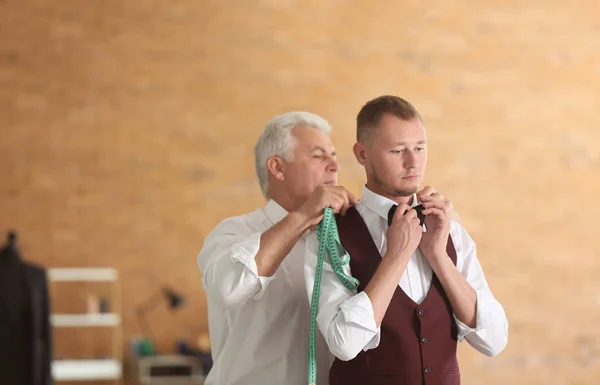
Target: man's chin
<point x="406" y="191"/>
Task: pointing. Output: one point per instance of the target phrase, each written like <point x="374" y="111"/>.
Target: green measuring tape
<point x="329" y="240"/>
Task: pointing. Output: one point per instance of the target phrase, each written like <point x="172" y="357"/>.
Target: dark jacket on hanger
<point x="25" y="333"/>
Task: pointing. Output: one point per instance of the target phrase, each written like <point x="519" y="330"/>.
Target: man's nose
<point x="333" y="165"/>
<point x="410" y="159"/>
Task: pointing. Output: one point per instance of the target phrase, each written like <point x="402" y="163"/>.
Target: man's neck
<point x="396" y="198"/>
<point x="288" y="203"/>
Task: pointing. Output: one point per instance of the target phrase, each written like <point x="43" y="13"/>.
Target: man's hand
<point x="438" y="213"/>
<point x="336" y="197"/>
<point x="404" y="234"/>
<point x="277" y="242"/>
<point x="434" y="240"/>
<point x="428" y="197"/>
<point x="403" y="237"/>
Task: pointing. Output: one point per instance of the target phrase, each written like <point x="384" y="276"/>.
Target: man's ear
<point x="276" y="166"/>
<point x="360" y="153"/>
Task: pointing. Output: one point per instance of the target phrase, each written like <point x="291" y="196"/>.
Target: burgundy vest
<point x="418" y="342"/>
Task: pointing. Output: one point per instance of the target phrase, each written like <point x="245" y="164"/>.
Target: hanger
<point x="11" y="244"/>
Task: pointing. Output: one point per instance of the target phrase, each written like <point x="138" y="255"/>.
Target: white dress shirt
<point x="258" y="325"/>
<point x="346" y="318"/>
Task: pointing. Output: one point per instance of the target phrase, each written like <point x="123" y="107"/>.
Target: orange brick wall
<point x="127" y="131"/>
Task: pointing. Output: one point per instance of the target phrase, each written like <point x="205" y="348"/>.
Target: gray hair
<point x="276" y="140"/>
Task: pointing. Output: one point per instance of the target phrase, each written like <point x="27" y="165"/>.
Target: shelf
<point x="171" y="370"/>
<point x="173" y="380"/>
<point x="75" y="320"/>
<point x="83" y="274"/>
<point x="77" y="368"/>
<point x="81" y="370"/>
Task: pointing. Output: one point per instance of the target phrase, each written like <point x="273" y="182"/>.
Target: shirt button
<point x="427" y="370"/>
<point x="424" y="340"/>
<point x="420" y="312"/>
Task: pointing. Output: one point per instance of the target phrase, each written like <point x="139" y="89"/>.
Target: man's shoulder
<point x="457" y="229"/>
<point x="251" y="222"/>
<point x="463" y="243"/>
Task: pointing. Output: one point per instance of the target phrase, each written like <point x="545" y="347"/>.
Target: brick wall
<point x="127" y="129"/>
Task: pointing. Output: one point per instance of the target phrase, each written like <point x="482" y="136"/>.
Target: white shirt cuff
<point x="358" y="310"/>
<point x="244" y="253"/>
<point x="484" y="317"/>
<point x="374" y="341"/>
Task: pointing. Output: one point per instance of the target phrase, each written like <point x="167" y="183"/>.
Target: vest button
<point x="427" y="370"/>
<point x="424" y="340"/>
<point x="420" y="312"/>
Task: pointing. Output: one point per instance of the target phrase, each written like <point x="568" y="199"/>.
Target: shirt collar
<point x="380" y="204"/>
<point x="274" y="211"/>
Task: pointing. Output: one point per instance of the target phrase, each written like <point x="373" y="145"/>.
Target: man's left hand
<point x="438" y="211"/>
<point x="428" y="197"/>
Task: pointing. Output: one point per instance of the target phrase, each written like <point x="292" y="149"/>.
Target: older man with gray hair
<point x="252" y="264"/>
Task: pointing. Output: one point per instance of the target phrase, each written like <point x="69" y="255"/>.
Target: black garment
<point x="15" y="346"/>
<point x="418" y="208"/>
<point x="25" y="335"/>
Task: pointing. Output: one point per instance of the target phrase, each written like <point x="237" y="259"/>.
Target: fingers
<point x="345" y="205"/>
<point x="338" y="201"/>
<point x="402" y="209"/>
<point x="435" y="211"/>
<point x="335" y="197"/>
<point x="431" y="197"/>
<point x="426" y="191"/>
<point x="345" y="197"/>
<point x="440" y="203"/>
<point x="416" y="221"/>
<point x="434" y="204"/>
<point x="434" y="200"/>
<point x="314" y="223"/>
<point x="411" y="214"/>
<point x="352" y="198"/>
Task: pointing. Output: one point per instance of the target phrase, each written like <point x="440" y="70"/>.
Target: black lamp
<point x="174" y="300"/>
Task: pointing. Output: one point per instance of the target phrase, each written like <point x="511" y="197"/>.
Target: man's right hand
<point x="336" y="197"/>
<point x="403" y="237"/>
<point x="404" y="234"/>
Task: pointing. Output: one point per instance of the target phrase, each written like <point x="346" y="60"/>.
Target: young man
<point x="420" y="291"/>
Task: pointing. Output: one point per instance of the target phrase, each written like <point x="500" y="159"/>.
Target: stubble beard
<point x="392" y="192"/>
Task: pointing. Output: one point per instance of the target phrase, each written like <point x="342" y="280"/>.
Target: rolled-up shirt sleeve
<point x="345" y="318"/>
<point x="227" y="263"/>
<point x="490" y="334"/>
